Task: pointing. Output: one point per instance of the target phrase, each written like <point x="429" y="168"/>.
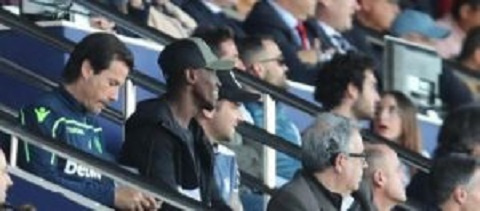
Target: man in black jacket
<point x="163" y="141"/>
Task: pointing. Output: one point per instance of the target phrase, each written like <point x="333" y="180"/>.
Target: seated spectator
<point x="385" y="176"/>
<point x="462" y="18"/>
<point x="456" y="182"/>
<point x="5" y="181"/>
<point x="396" y="120"/>
<point x="219" y="126"/>
<point x="332" y="18"/>
<point x="347" y="86"/>
<point x="209" y="13"/>
<point x="459" y="83"/>
<point x="283" y="20"/>
<point x="264" y="60"/>
<point x="164" y="16"/>
<point x="333" y="160"/>
<point x="373" y="20"/>
<point x="222" y="42"/>
<point x="163" y="140"/>
<point x="92" y="77"/>
<point x="418" y="27"/>
<point x="460" y="133"/>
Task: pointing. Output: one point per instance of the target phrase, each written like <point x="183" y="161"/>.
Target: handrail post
<point x="130" y="98"/>
<point x="269" y="156"/>
<point x="13" y="151"/>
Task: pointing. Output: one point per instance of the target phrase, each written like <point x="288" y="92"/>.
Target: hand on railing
<point x="129" y="199"/>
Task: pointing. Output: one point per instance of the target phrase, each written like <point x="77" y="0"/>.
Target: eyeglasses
<point x="361" y="156"/>
<point x="280" y="60"/>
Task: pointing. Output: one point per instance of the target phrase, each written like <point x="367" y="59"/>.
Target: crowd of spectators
<point x="186" y="141"/>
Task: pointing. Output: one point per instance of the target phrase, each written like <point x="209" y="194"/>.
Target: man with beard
<point x="347" y="86"/>
<point x="163" y="141"/>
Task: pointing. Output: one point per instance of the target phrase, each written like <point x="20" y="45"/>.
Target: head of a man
<point x="466" y="13"/>
<point x="378" y="14"/>
<point x="189" y="67"/>
<point x="337" y="13"/>
<point x="220" y="123"/>
<point x="263" y="59"/>
<point x="455" y="182"/>
<point x="301" y="9"/>
<point x="418" y="27"/>
<point x="5" y="180"/>
<point x="96" y="69"/>
<point x="222" y="42"/>
<point x="333" y="147"/>
<point x="347" y="85"/>
<point x="386" y="176"/>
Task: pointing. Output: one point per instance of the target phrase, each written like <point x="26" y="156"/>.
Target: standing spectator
<point x="163" y="140"/>
<point x="347" y="86"/>
<point x="463" y="17"/>
<point x="332" y="18"/>
<point x="456" y="182"/>
<point x="385" y="176"/>
<point x="209" y="13"/>
<point x="283" y="20"/>
<point x="92" y="77"/>
<point x="219" y="126"/>
<point x="333" y="160"/>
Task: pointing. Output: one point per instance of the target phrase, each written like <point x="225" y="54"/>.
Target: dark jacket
<point x="206" y="18"/>
<point x="161" y="150"/>
<point x="264" y="20"/>
<point x="305" y="193"/>
<point x="453" y="90"/>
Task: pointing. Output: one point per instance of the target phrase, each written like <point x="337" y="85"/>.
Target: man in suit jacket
<point x="280" y="20"/>
<point x="331" y="19"/>
<point x="333" y="161"/>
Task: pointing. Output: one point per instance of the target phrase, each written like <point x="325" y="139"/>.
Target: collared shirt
<point x="226" y="172"/>
<point x="212" y="7"/>
<point x="341" y="44"/>
<point x="288" y="18"/>
<point x="338" y="201"/>
<point x="450" y="46"/>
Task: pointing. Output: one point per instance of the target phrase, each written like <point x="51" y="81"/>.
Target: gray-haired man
<point x="333" y="161"/>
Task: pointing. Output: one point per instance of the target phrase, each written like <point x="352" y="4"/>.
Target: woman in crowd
<point x="396" y="120"/>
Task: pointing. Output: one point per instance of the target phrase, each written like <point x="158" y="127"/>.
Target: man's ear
<point x="190" y="76"/>
<point x="339" y="163"/>
<point x="86" y="70"/>
<point x="459" y="195"/>
<point x="352" y="91"/>
<point x="257" y="70"/>
<point x="379" y="178"/>
<point x="208" y="113"/>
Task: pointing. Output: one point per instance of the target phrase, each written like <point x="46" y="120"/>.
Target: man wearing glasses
<point x="333" y="160"/>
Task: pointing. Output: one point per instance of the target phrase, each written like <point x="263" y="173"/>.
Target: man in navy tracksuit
<point x="97" y="68"/>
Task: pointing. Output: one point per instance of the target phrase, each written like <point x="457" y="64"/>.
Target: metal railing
<point x="287" y="98"/>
